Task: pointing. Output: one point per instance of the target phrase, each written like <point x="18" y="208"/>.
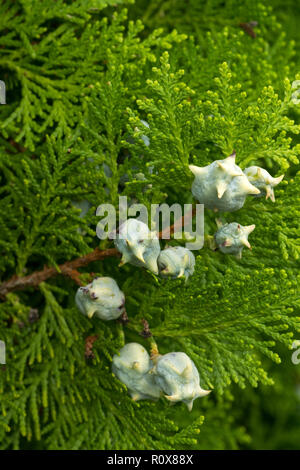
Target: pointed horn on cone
<point x="277" y="180"/>
<point x="203" y="393"/>
<point x="253" y="190"/>
<point x="246" y="243"/>
<point x="187" y="371"/>
<point x="181" y="272"/>
<point x="248" y="187"/>
<point x="137" y="251"/>
<point x="230" y="171"/>
<point x="140" y="258"/>
<point x="189" y="404"/>
<point x="270" y="193"/>
<point x="220" y="164"/>
<point x="221" y="188"/>
<point x="259" y="173"/>
<point x="90" y="313"/>
<point x="249" y="228"/>
<point x="197" y="170"/>
<point x="123" y="261"/>
<point x="152" y="265"/>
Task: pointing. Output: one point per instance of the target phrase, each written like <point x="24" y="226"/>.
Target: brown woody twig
<point x="70" y="268"/>
<point x="146" y="333"/>
<point x="89" y="342"/>
<point x="248" y="28"/>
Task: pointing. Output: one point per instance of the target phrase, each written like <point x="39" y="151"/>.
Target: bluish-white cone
<point x="132" y="368"/>
<point x="138" y="245"/>
<point x="176" y="261"/>
<point x="101" y="298"/>
<point x="145" y="138"/>
<point x="262" y="180"/>
<point x="232" y="238"/>
<point x="222" y="185"/>
<point x="177" y="376"/>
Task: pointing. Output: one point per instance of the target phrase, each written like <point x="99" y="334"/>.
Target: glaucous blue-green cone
<point x="102" y="298"/>
<point x="132" y="367"/>
<point x="262" y="180"/>
<point x="177" y="376"/>
<point x="176" y="261"/>
<point x="138" y="245"/>
<point x="222" y="185"/>
<point x="145" y="138"/>
<point x="231" y="238"/>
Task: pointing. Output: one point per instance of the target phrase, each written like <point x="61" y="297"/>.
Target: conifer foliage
<point x="107" y="99"/>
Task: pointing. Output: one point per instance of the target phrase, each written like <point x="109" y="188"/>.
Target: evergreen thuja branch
<point x="70" y="268"/>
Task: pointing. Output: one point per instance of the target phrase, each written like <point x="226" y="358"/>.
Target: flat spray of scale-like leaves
<point x="223" y="186"/>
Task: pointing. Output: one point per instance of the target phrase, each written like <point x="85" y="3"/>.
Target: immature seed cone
<point x="102" y="298"/>
<point x="176" y="374"/>
<point x="132" y="367"/>
<point x="222" y="185"/>
<point x="262" y="180"/>
<point x="138" y="245"/>
<point x="232" y="238"/>
<point x="175" y="262"/>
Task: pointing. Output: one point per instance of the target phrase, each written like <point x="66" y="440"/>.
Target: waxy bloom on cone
<point x="222" y="185"/>
<point x="177" y="376"/>
<point x="132" y="367"/>
<point x="262" y="180"/>
<point x="175" y="262"/>
<point x="102" y="298"/>
<point x="138" y="245"/>
<point x="232" y="238"/>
